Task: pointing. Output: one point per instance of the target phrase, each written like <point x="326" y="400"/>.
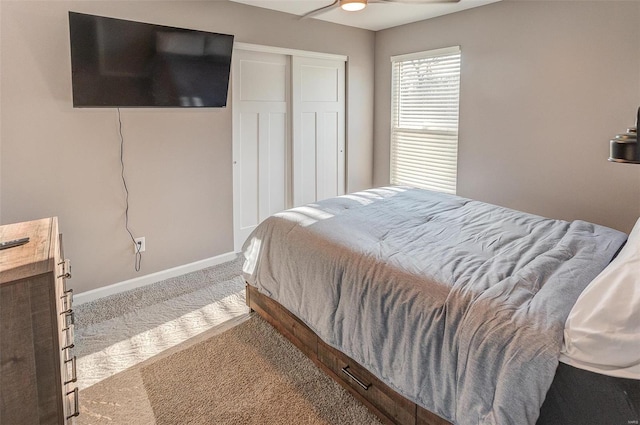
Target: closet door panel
<point x="261" y="133"/>
<point x="318" y="91"/>
<point x="273" y="164"/>
<point x="263" y="78"/>
<point x="288" y="134"/>
<point x="249" y="171"/>
<point x="318" y="83"/>
<point x="328" y="180"/>
<point x="305" y="160"/>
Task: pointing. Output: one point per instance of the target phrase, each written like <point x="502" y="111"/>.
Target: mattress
<point x="456" y="304"/>
<point x="582" y="397"/>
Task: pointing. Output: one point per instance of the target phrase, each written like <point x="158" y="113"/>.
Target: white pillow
<point x="602" y="332"/>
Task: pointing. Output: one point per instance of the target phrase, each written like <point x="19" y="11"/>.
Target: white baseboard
<point x="116" y="288"/>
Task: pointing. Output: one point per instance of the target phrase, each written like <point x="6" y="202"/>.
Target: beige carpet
<point x="248" y="374"/>
<point x="122" y="398"/>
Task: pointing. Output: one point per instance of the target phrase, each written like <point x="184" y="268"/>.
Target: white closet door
<point x="260" y="133"/>
<point x="318" y="110"/>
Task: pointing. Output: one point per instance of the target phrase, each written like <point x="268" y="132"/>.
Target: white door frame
<point x="289" y="52"/>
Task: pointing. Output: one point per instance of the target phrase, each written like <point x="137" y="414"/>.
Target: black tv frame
<point x="156" y="66"/>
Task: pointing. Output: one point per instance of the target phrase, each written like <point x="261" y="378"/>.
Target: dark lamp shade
<point x="625" y="147"/>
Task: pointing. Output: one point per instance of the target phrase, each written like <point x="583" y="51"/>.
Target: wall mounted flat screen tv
<point x="119" y="63"/>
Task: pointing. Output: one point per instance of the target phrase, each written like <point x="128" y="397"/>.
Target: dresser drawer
<point x="71" y="405"/>
<point x="66" y="337"/>
<point x="395" y="407"/>
<point x="37" y="345"/>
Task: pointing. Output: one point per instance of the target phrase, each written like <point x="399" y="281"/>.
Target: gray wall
<point x="545" y="85"/>
<point x="56" y="160"/>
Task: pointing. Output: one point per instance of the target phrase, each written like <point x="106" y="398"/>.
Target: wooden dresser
<point x="37" y="367"/>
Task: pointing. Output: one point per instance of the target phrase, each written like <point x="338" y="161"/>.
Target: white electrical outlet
<point x="139" y="244"/>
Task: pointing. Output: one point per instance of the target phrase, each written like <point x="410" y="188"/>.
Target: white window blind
<point x="424" y="119"/>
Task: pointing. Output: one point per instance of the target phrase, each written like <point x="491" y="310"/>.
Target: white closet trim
<point x="289" y="52"/>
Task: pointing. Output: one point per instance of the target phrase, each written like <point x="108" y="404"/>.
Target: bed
<point x="453" y="309"/>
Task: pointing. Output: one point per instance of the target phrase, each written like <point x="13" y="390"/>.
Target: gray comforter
<point x="456" y="304"/>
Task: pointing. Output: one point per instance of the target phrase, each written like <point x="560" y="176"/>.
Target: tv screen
<point x="119" y="63"/>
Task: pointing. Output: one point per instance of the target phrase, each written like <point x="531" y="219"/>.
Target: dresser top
<point x="33" y="258"/>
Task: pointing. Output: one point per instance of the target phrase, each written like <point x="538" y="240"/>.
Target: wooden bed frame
<point x="388" y="405"/>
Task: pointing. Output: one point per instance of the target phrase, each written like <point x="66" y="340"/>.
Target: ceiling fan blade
<point x="415" y="1"/>
<point x="319" y="10"/>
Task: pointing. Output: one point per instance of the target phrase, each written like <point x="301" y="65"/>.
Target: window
<point x="425" y="98"/>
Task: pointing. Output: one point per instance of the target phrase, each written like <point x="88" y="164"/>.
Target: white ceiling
<point x="376" y="16"/>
